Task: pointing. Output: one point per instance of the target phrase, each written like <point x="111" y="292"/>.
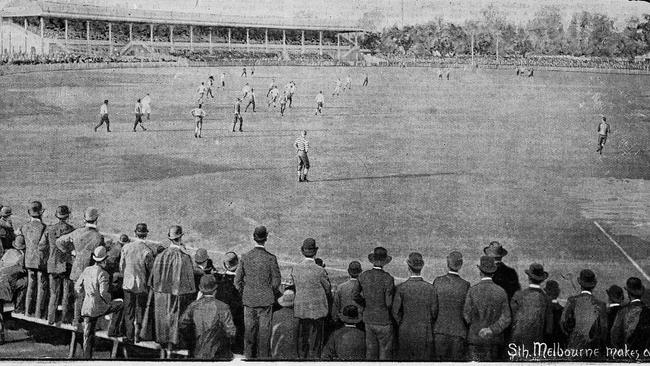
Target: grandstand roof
<point x="68" y="10"/>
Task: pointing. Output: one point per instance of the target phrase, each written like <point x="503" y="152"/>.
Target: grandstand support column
<point x="191" y="38"/>
<point x="25" y="49"/>
<point x="151" y="34"/>
<point x="338" y="46"/>
<point x="320" y="43"/>
<point x="248" y="40"/>
<point x="2" y="38"/>
<point x="88" y="34"/>
<point x="130" y="32"/>
<point x="356" y="45"/>
<point x="284" y="40"/>
<point x="110" y="38"/>
<point x="497" y="50"/>
<point x="266" y="40"/>
<point x="229" y="39"/>
<point x="42" y="36"/>
<point x="171" y="38"/>
<point x="210" y="40"/>
<point x="66" y="33"/>
<point x="302" y="42"/>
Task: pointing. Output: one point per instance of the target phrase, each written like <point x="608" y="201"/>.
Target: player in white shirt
<point x="201" y="91"/>
<point x="198" y="114"/>
<point x="292" y="91"/>
<point x="251" y="101"/>
<point x="103" y="117"/>
<point x="283" y="102"/>
<point x="271" y="87"/>
<point x="223" y="79"/>
<point x="348" y="83"/>
<point x="245" y="91"/>
<point x="320" y="100"/>
<point x="273" y="96"/>
<point x="146" y="106"/>
<point x="337" y="89"/>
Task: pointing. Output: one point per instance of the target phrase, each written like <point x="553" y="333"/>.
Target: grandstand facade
<point x="32" y="27"/>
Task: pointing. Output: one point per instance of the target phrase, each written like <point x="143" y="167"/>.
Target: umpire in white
<point x="302" y="147"/>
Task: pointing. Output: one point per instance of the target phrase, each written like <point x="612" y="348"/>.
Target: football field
<point x="411" y="163"/>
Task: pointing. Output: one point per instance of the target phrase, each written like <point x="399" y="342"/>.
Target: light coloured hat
<point x="287" y="299"/>
<point x="99" y="254"/>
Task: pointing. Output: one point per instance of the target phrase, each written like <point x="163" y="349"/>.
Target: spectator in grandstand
<point x="450" y="330"/>
<point x="103" y="117"/>
<point x="504" y="276"/>
<point x="251" y="101"/>
<point x="320" y="100"/>
<point x="337" y="88"/>
<point x="81" y="243"/>
<point x="146" y="106"/>
<point x="58" y="264"/>
<point x="93" y="284"/>
<point x="552" y="289"/>
<point x="284" y="335"/>
<point x="532" y="315"/>
<point x="203" y="263"/>
<point x="172" y="281"/>
<point x="487" y="313"/>
<point x="343" y="296"/>
<point x="631" y="328"/>
<point x="36" y="257"/>
<point x="13" y="279"/>
<point x="414" y="310"/>
<point x="138" y="116"/>
<point x="7" y="234"/>
<point x="198" y="114"/>
<point x="210" y="86"/>
<point x="201" y="92"/>
<point x="615" y="296"/>
<point x="584" y="318"/>
<point x="283" y="103"/>
<point x="302" y="147"/>
<point x="227" y="293"/>
<point x="603" y="133"/>
<point x="207" y="325"/>
<point x="347" y="343"/>
<point x="375" y="293"/>
<point x="311" y="302"/>
<point x="136" y="262"/>
<point x="258" y="279"/>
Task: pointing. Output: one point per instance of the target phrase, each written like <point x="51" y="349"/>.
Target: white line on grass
<point x="634" y="263"/>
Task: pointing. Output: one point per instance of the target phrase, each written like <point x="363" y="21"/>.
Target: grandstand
<point x="34" y="27"/>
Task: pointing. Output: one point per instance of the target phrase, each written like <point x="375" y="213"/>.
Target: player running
<point x="245" y="91"/>
<point x="320" y="100"/>
<point x="146" y="106"/>
<point x="198" y="114"/>
<point x="138" y="116"/>
<point x="271" y="87"/>
<point x="201" y="91"/>
<point x="238" y="116"/>
<point x="251" y="101"/>
<point x="302" y="147"/>
<point x="337" y="89"/>
<point x="273" y="96"/>
<point x="103" y="117"/>
<point x="603" y="132"/>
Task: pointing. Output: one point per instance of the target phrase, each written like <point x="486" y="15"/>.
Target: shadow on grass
<point x="389" y="176"/>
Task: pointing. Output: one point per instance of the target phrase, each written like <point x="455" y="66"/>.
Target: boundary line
<point x="634" y="263"/>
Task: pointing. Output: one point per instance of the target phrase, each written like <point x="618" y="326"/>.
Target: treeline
<point x="587" y="34"/>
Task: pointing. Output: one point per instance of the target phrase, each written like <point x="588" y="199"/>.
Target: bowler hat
<point x="35" y="209"/>
<point x="587" y="279"/>
<point x="5" y="211"/>
<point x="287" y="299"/>
<point x="552" y="289"/>
<point x="455" y="260"/>
<point x="124" y="239"/>
<point x="615" y="294"/>
<point x="62" y="212"/>
<point x="99" y="254"/>
<point x="350" y="315"/>
<point x="536" y="272"/>
<point x="495" y="250"/>
<point x="415" y="261"/>
<point x="487" y="265"/>
<point x="208" y="283"/>
<point x="354" y="268"/>
<point x="19" y="242"/>
<point x="634" y="287"/>
<point x="309" y="247"/>
<point x="260" y="234"/>
<point x="230" y="261"/>
<point x="379" y="257"/>
<point x="141" y="228"/>
<point x="175" y="232"/>
<point x="201" y="256"/>
<point x="91" y="214"/>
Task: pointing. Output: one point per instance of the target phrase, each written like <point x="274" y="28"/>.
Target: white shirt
<point x="320" y="98"/>
<point x="103" y="109"/>
<point x="532" y="285"/>
<point x="201" y="89"/>
<point x="603" y="129"/>
<point x="146" y="100"/>
<point x="585" y="292"/>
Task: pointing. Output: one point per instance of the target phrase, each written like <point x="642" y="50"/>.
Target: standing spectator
<point x="13" y="281"/>
<point x="103" y="117"/>
<point x="487" y="313"/>
<point x="375" y="292"/>
<point x="172" y="281"/>
<point x="311" y="302"/>
<point x="414" y="310"/>
<point x="36" y="255"/>
<point x="58" y="264"/>
<point x="81" y="242"/>
<point x="202" y="265"/>
<point x="136" y="262"/>
<point x="345" y="292"/>
<point x="206" y="325"/>
<point x="284" y="334"/>
<point x="616" y="297"/>
<point x="584" y="318"/>
<point x="552" y="289"/>
<point x="532" y="316"/>
<point x="630" y="329"/>
<point x="505" y="276"/>
<point x="227" y="293"/>
<point x="93" y="285"/>
<point x="450" y="330"/>
<point x="258" y="279"/>
<point x="7" y="234"/>
<point x="347" y="343"/>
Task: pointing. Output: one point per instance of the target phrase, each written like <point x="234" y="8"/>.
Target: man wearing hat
<point x="257" y="278"/>
<point x="376" y="289"/>
<point x="7" y="234"/>
<point x="202" y="265"/>
<point x="227" y="293"/>
<point x="346" y="343"/>
<point x="172" y="281"/>
<point x="13" y="281"/>
<point x="136" y="262"/>
<point x="93" y="284"/>
<point x="284" y="336"/>
<point x="552" y="290"/>
<point x="81" y="243"/>
<point x="311" y="304"/>
<point x="584" y="318"/>
<point x="206" y="325"/>
<point x="632" y="324"/>
<point x="59" y="264"/>
<point x="414" y="310"/>
<point x="615" y="296"/>
<point x="345" y="292"/>
<point x="505" y="276"/>
<point x="450" y="330"/>
<point x="532" y="316"/>
<point x="487" y="313"/>
<point x="36" y="255"/>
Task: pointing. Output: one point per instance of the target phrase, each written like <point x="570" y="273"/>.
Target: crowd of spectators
<point x="77" y="58"/>
<point x="240" y="304"/>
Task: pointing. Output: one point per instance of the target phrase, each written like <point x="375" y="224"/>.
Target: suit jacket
<point x="347" y="343"/>
<point x="627" y="319"/>
<point x="94" y="282"/>
<point x="611" y="315"/>
<point x="58" y="260"/>
<point x="173" y="272"/>
<point x="584" y="320"/>
<point x="532" y="316"/>
<point x="11" y="269"/>
<point x="136" y="262"/>
<point x="312" y="290"/>
<point x="198" y="319"/>
<point x="450" y="291"/>
<point x="486" y="306"/>
<point x="507" y="278"/>
<point x="284" y="335"/>
<point x="7" y="235"/>
<point x="258" y="277"/>
<point x="414" y="308"/>
<point x="375" y="292"/>
<point x="83" y="241"/>
<point x="36" y="252"/>
<point x="557" y="335"/>
<point x="344" y="296"/>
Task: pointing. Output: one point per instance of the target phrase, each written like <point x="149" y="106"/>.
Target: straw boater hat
<point x="536" y="272"/>
<point x="208" y="284"/>
<point x="287" y="299"/>
<point x="495" y="250"/>
<point x="635" y="287"/>
<point x="5" y="211"/>
<point x="19" y="242"/>
<point x="99" y="254"/>
<point x="91" y="214"/>
<point x="124" y="239"/>
<point x="379" y="257"/>
<point x="62" y="212"/>
<point x="487" y="265"/>
<point x="587" y="279"/>
<point x="350" y="315"/>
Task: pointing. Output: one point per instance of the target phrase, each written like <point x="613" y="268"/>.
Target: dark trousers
<point x="134" y="306"/>
<point x="310" y="338"/>
<point x="283" y="106"/>
<point x="78" y="303"/>
<point x="58" y="282"/>
<point x="210" y="93"/>
<point x="89" y="323"/>
<point x="365" y="82"/>
<point x="485" y="353"/>
<point x="251" y="102"/>
<point x="290" y="100"/>
<point x="257" y="336"/>
<point x="379" y="342"/>
<point x="449" y="348"/>
<point x="36" y="283"/>
<point x="103" y="120"/>
<point x="138" y="121"/>
<point x="241" y="122"/>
